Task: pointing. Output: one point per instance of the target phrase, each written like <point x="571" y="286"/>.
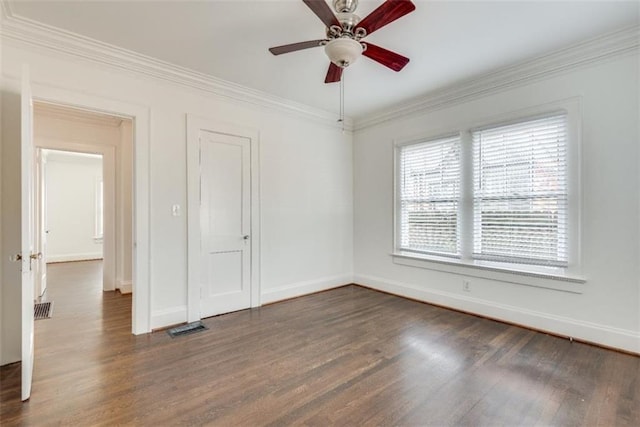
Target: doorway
<point x="83" y="178"/>
<point x="78" y="102"/>
<point x="69" y="209"/>
<point x="138" y="116"/>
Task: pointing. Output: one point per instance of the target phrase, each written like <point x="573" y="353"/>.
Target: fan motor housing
<point x="348" y="20"/>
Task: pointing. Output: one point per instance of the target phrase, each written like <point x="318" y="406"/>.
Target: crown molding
<point x="563" y="60"/>
<point x="33" y="33"/>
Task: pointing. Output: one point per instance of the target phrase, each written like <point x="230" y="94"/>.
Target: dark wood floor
<point x="349" y="356"/>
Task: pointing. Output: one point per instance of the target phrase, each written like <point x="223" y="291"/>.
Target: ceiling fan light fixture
<point x="343" y="51"/>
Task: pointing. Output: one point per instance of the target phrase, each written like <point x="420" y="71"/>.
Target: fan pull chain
<point x="342" y="101"/>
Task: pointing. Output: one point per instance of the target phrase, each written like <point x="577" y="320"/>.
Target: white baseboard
<point x="124" y="286"/>
<point x="303" y="288"/>
<point x="74" y="257"/>
<point x="168" y="317"/>
<point x="607" y="336"/>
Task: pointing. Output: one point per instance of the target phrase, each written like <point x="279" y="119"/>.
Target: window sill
<point x="554" y="279"/>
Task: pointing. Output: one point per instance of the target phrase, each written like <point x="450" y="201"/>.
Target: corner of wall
<point x="294" y="290"/>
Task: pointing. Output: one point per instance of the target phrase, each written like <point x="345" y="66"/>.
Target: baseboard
<point x="74" y="257"/>
<point x="168" y="317"/>
<point x="124" y="286"/>
<point x="303" y="288"/>
<point x="616" y="338"/>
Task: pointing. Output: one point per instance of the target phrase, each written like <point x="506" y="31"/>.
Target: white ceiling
<point x="446" y="40"/>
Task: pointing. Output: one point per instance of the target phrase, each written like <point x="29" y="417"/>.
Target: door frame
<point x="108" y="154"/>
<point x="196" y="124"/>
<point x="39" y="179"/>
<point x="140" y="115"/>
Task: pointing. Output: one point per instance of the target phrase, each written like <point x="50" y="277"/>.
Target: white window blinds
<point x="429" y="187"/>
<point x="520" y="192"/>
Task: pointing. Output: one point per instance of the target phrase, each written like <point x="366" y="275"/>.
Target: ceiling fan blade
<point x="386" y="13"/>
<point x="323" y="11"/>
<point x="334" y="74"/>
<point x="279" y="50"/>
<point x="385" y="57"/>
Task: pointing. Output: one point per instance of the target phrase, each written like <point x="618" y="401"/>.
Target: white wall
<point x="11" y="277"/>
<point x="608" y="309"/>
<point x="305" y="171"/>
<point x="70" y="182"/>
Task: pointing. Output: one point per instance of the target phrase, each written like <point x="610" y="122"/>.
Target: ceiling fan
<point x="345" y="30"/>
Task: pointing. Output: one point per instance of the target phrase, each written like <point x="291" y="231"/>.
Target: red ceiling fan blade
<point x="386" y="13"/>
<point x="323" y="11"/>
<point x="385" y="57"/>
<point x="279" y="50"/>
<point x="334" y="74"/>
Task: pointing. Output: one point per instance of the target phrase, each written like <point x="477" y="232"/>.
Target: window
<point x="429" y="197"/>
<point x="492" y="197"/>
<point x="520" y="192"/>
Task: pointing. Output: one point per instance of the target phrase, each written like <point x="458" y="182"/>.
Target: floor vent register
<point x="189" y="328"/>
<point x="42" y="310"/>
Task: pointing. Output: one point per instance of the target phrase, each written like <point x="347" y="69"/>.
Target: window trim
<point x="467" y="265"/>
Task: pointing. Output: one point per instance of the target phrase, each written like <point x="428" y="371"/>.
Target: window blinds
<point x="520" y="192"/>
<point x="429" y="197"/>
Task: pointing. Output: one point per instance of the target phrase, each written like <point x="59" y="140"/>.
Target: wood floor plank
<point x="349" y="356"/>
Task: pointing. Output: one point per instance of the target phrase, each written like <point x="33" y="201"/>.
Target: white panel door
<point x="225" y="201"/>
<point x="27" y="238"/>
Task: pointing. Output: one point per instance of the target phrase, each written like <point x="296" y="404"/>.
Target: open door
<point x="27" y="255"/>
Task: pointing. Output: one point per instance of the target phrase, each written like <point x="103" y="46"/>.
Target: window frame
<point x="506" y="259"/>
<point x="398" y="194"/>
<point x="561" y="278"/>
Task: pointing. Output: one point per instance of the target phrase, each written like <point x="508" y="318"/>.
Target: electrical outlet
<point x="466" y="286"/>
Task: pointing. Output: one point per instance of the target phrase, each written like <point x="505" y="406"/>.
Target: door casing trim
<point x="141" y="265"/>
